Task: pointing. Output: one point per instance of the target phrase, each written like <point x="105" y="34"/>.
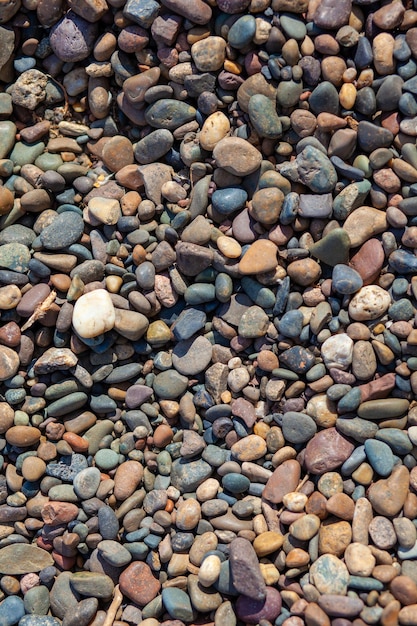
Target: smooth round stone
<point x="329" y="575"/>
<point x="154" y="146"/>
<point x="264" y="117"/>
<point x="235" y="483"/>
<point x="187" y="475"/>
<point x="15" y="256"/>
<point x="209" y="54"/>
<point x="337" y="351"/>
<point x="72" y="38"/>
<point x="114" y="553"/>
<point x="345" y="279"/>
<point x="192" y="356"/>
<point x="227" y="201"/>
<point x="36" y="600"/>
<point x="298" y="427"/>
<point x="291" y="324"/>
<point x="17" y="559"/>
<point x="169" y="114"/>
<point x="11" y="610"/>
<point x="9" y="363"/>
<point x="237" y="156"/>
<point x="242" y="32"/>
<point x="170" y="384"/>
<point x="369" y="303"/>
<point x="380" y="456"/>
<point x="65" y="230"/>
<point x="86" y="483"/>
<point x="253" y="323"/>
<point x="324" y="98"/>
<point x="260" y="257"/>
<point x="93" y="314"/>
<point x="401" y="310"/>
<point x="92" y="584"/>
<point x="106" y="459"/>
<point x="177" y="604"/>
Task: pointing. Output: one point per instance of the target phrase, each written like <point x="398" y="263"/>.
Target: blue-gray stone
<point x="406" y="554"/>
<point x="365" y="583"/>
<point x="298" y="359"/>
<point x="169" y="385"/>
<point x="350" y="401"/>
<point x="199" y="293"/>
<point x="347" y="171"/>
<point x="187" y="475"/>
<point x="39" y="620"/>
<point x="291" y="324"/>
<point x="67" y="467"/>
<point x="397" y="439"/>
<point x="224" y="583"/>
<point x="379" y="456"/>
<point x="65" y="230"/>
<point x="371" y="136"/>
<point x="189" y="322"/>
<point x="228" y="200"/>
<point x="242" y="31"/>
<point x="324" y="98"/>
<point x="357" y="428"/>
<point x="363" y="55"/>
<point x="143" y="12"/>
<point x="298" y="427"/>
<point x="167" y="113"/>
<point x="11" y="610"/>
<point x="316" y="171"/>
<point x="403" y="262"/>
<point x="177" y="603"/>
<point x="262" y="296"/>
<point x="401" y="310"/>
<point x="345" y="279"/>
<point x="235" y="483"/>
<point x="357" y="457"/>
<point x="408" y="105"/>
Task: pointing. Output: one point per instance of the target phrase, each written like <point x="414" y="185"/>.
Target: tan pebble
<point x="304" y="272"/>
<point x="229" y="247"/>
<point x="104" y="210"/>
<point x="209" y="570"/>
<point x="297" y="558"/>
<point x="23" y="436"/>
<point x="384" y="573"/>
<point x="33" y="468"/>
<point x="408" y="615"/>
<point x="268" y="542"/>
<point x="383" y="48"/>
<point x="6" y="417"/>
<point x="269" y="572"/>
<point x="6" y="200"/>
<point x="369" y="303"/>
<point x="363" y="474"/>
<point x="404" y="589"/>
<point x="209" y="54"/>
<point x="215" y="128"/>
<point x="305" y="527"/>
<point x="10" y="296"/>
<point x="249" y="448"/>
<point x="295" y="501"/>
<point x="359" y="560"/>
<point x="341" y="505"/>
<point x="347" y="96"/>
<point x="207" y="490"/>
<point x="188" y="514"/>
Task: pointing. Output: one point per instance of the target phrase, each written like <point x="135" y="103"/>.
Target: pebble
<point x="207" y="312"/>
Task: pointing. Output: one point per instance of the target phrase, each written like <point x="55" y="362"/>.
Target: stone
<point x="369" y="303"/>
<point x="388" y="495"/>
<point x="17" y="559"/>
<point x="236" y="156"/>
<point x="326" y="451"/>
<point x="329" y="575"/>
<point x="252" y="611"/>
<point x="138" y="583"/>
<point x="72" y="38"/>
<point x="246" y="573"/>
<point x="85" y="320"/>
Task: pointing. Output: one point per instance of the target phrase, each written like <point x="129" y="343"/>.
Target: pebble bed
<point x="208" y="293"/>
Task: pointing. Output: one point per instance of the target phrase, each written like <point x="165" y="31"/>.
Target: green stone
<point x="170" y="114"/>
<point x="386" y="408"/>
<point x="25" y="153"/>
<point x="333" y="248"/>
<point x="7" y="138"/>
<point x="15" y="256"/>
<point x="48" y="161"/>
<point x="263" y="116"/>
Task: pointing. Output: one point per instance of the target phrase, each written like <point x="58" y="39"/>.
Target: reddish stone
<point x="55" y="513"/>
<point x="139" y="584"/>
<point x="368" y="260"/>
<point x="284" y="480"/>
<point x="379" y="388"/>
<point x="327" y="451"/>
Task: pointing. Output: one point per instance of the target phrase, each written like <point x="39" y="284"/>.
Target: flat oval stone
<point x="92" y="584"/>
<point x="237" y="156"/>
<point x="169" y="114"/>
<point x="17" y="559"/>
<point x="65" y="230"/>
<point x="227" y="201"/>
